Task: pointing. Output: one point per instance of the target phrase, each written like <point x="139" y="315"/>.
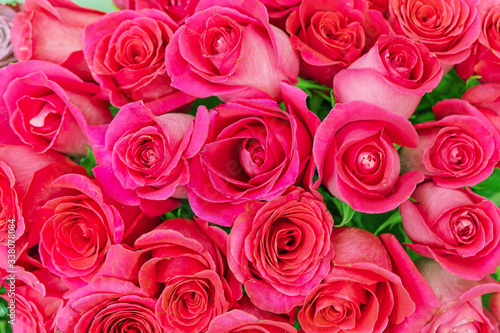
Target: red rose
<point x="48" y="107"/>
<point x="330" y="35"/>
<point x="357" y="161"/>
<point x="254" y="151"/>
<point x="458" y="228"/>
<point x="214" y="52"/>
<point x="281" y="249"/>
<point x="459" y="148"/>
<point x="394" y="74"/>
<point x="125" y="51"/>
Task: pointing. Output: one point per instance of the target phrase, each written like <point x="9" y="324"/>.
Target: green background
<point x="104" y="5"/>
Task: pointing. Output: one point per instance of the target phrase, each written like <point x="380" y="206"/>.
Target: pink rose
<point x="281" y="249"/>
<point x="241" y="321"/>
<point x="108" y="305"/>
<point x="357" y="161"/>
<point x="458" y="228"/>
<point x="25" y="177"/>
<point x="35" y="297"/>
<point x="459" y="148"/>
<point x="461" y="309"/>
<point x="394" y="75"/>
<point x="185" y="263"/>
<point x="361" y="292"/>
<point x="125" y="51"/>
<point x="486" y="98"/>
<point x="63" y="45"/>
<point x="48" y="107"/>
<point x="279" y="10"/>
<point x="254" y="151"/>
<point x="331" y="35"/>
<point x="214" y="52"/>
<point x="178" y="10"/>
<point x="77" y="230"/>
<point x="448" y="28"/>
<point x="143" y="159"/>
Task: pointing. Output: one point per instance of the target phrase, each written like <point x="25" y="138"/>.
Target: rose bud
<point x="254" y="151"/>
<point x="356" y="158"/>
<point x="461" y="306"/>
<point x="459" y="148"/>
<point x="48" y="107"/>
<point x="330" y="35"/>
<point x="448" y="28"/>
<point x="51" y="30"/>
<point x="125" y="51"/>
<point x="394" y="75"/>
<point x="281" y="249"/>
<point x="458" y="228"/>
<point x="215" y="52"/>
<point x="142" y="159"/>
<point x="108" y="305"/>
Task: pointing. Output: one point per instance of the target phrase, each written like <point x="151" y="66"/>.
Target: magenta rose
<point x="125" y="51"/>
<point x="330" y="35"/>
<point x="143" y="159"/>
<point x="6" y="52"/>
<point x="279" y="10"/>
<point x="77" y="230"/>
<point x="394" y="75"/>
<point x="241" y="321"/>
<point x="254" y="151"/>
<point x="461" y="306"/>
<point x="458" y="228"/>
<point x="63" y="46"/>
<point x="186" y="265"/>
<point x="108" y="305"/>
<point x="178" y="10"/>
<point x="33" y="299"/>
<point x="361" y="293"/>
<point x="448" y="28"/>
<point x="281" y="249"/>
<point x="459" y="148"/>
<point x="356" y="158"/>
<point x="214" y="52"/>
<point x="48" y="107"/>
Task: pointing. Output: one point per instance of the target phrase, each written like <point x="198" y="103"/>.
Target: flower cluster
<point x="163" y="167"/>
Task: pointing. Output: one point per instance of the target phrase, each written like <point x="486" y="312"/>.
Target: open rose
<point x="459" y="148"/>
<point x="185" y="262"/>
<point x="49" y="107"/>
<point x="356" y="158"/>
<point x="6" y="53"/>
<point x="361" y="293"/>
<point x="240" y="321"/>
<point x="394" y="74"/>
<point x="448" y="28"/>
<point x="63" y="46"/>
<point x="214" y="52"/>
<point x="461" y="306"/>
<point x="458" y="228"/>
<point x="77" y="230"/>
<point x="108" y="305"/>
<point x="125" y="51"/>
<point x="254" y="151"/>
<point x="143" y="159"/>
<point x="281" y="249"/>
<point x="330" y="35"/>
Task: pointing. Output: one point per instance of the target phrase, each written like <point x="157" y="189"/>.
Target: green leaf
<point x="490" y="188"/>
<point x="209" y="102"/>
<point x="307" y="85"/>
<point x="346" y="211"/>
<point x="389" y="223"/>
<point x="114" y="110"/>
<point x="472" y="81"/>
<point x="88" y="162"/>
<point x="183" y="212"/>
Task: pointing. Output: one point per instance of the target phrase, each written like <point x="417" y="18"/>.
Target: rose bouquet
<point x="250" y="166"/>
